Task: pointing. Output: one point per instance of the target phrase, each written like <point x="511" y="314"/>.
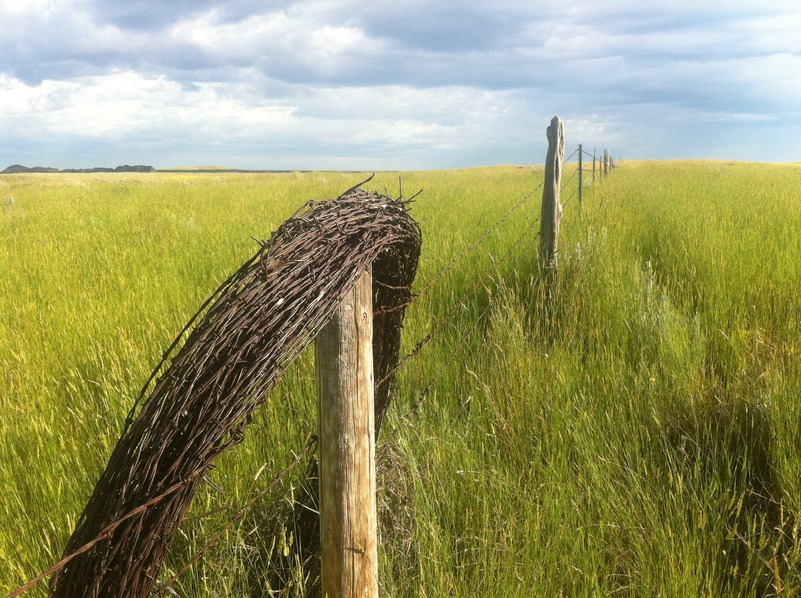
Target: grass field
<point x="645" y="441"/>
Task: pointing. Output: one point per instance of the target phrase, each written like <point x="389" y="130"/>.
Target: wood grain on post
<point x="551" y="214"/>
<point x="346" y="423"/>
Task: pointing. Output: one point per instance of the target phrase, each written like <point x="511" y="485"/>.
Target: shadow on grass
<point x="725" y="446"/>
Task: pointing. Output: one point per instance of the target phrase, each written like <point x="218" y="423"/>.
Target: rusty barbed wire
<point x="250" y="330"/>
<point x="461" y="343"/>
<point x="565" y="160"/>
<point x="440" y="323"/>
<point x="566" y="182"/>
<point x="469" y="249"/>
<point x="283" y="253"/>
<point x="167" y="585"/>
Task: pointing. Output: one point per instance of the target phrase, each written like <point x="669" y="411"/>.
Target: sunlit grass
<point x="642" y="442"/>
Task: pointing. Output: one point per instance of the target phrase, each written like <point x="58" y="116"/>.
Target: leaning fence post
<point x="551" y="213"/>
<point x="346" y="425"/>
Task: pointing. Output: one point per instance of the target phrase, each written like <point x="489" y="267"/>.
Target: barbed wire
<point x="460" y="303"/>
<point x="461" y="344"/>
<point x="565" y="183"/>
<point x="434" y="331"/>
<point x="309" y="448"/>
<point x="401" y="363"/>
<point x="468" y="250"/>
<point x="104" y="534"/>
<point x="575" y="151"/>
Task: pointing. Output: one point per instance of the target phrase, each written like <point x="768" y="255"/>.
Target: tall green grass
<point x="640" y="439"/>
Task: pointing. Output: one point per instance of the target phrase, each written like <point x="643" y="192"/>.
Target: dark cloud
<point x="442" y="27"/>
<point x="158" y="15"/>
<point x="146" y="15"/>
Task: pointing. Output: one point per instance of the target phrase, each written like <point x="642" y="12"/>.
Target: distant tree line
<point x="19" y="169"/>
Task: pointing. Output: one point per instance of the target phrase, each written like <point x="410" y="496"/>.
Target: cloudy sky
<point x="394" y="84"/>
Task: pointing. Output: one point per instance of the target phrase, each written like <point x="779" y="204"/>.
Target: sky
<point x="394" y="84"/>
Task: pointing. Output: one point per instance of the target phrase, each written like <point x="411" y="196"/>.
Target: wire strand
<point x="475" y="245"/>
<point x="460" y="346"/>
<point x="439" y="324"/>
<point x="105" y="532"/>
<point x="310" y="445"/>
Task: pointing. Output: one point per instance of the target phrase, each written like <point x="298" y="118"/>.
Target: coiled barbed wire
<point x="252" y="328"/>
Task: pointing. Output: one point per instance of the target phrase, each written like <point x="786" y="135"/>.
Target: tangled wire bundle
<point x="251" y="329"/>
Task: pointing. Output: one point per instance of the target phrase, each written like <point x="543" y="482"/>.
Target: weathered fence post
<point x="580" y="171"/>
<point x="606" y="162"/>
<point x="346" y="423"/>
<point x="551" y="213"/>
<point x="593" y="168"/>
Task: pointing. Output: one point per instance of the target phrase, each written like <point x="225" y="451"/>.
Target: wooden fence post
<point x="580" y="171"/>
<point x="593" y="169"/>
<point x="346" y="423"/>
<point x="606" y="162"/>
<point x="551" y="213"/>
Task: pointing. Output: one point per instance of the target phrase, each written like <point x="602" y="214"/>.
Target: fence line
<point x="434" y="331"/>
<point x="583" y="168"/>
<point x="422" y="343"/>
<point x="461" y="344"/>
<point x="440" y="323"/>
<point x="468" y="250"/>
<point x="104" y="534"/>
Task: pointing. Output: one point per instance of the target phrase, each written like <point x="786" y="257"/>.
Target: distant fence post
<point x="346" y="423"/>
<point x="551" y="208"/>
<point x="580" y="171"/>
<point x="593" y="168"/>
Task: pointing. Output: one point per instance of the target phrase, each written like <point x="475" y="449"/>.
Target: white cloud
<point x="419" y="81"/>
<point x="125" y="108"/>
<point x="277" y="38"/>
<point x="35" y="7"/>
<point x="125" y="103"/>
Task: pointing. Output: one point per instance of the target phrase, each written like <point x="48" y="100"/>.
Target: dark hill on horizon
<point x="19" y="169"/>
